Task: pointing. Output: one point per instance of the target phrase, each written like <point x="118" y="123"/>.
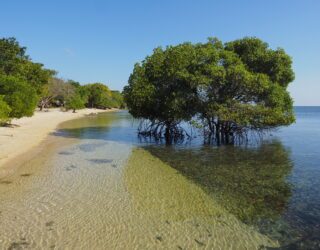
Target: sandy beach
<point x="28" y="132"/>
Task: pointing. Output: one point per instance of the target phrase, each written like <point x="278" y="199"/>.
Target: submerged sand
<point x="28" y="132"/>
<point x="98" y="193"/>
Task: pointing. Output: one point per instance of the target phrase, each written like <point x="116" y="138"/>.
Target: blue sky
<point x="99" y="41"/>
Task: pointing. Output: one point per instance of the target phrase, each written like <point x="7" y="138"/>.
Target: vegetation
<point x="24" y="85"/>
<point x="117" y="99"/>
<point x="19" y="96"/>
<point x="99" y="95"/>
<point x="21" y="80"/>
<point x="4" y="111"/>
<point x="75" y="102"/>
<point x="161" y="90"/>
<point x="62" y="93"/>
<point x="56" y="92"/>
<point x="15" y="62"/>
<point x="231" y="88"/>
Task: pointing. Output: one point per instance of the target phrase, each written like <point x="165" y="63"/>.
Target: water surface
<point x="110" y="189"/>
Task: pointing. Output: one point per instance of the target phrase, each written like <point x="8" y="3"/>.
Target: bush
<point x="4" y="111"/>
<point x="75" y="102"/>
<point x="19" y="96"/>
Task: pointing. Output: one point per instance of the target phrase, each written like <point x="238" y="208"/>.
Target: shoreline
<point x="29" y="132"/>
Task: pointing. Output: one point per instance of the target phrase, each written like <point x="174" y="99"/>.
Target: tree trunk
<point x="167" y="133"/>
<point x="218" y="133"/>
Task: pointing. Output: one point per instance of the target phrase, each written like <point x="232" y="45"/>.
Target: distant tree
<point x="18" y="95"/>
<point x="75" y="102"/>
<point x="58" y="91"/>
<point x="4" y="111"/>
<point x="117" y="99"/>
<point x="99" y="96"/>
<point x="74" y="83"/>
<point x="45" y="98"/>
<point x="83" y="91"/>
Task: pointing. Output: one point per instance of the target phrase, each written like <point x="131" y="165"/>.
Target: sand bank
<point x="28" y="132"/>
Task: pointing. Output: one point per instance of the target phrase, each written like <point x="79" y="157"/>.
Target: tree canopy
<point x="117" y="99"/>
<point x="231" y="88"/>
<point x="99" y="95"/>
<point x="18" y="95"/>
<point x="161" y="89"/>
<point x="21" y="80"/>
<point x="15" y="62"/>
<point x="4" y="111"/>
<point x="75" y="102"/>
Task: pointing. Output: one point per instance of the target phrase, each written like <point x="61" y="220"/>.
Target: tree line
<point x="226" y="89"/>
<point x="25" y="84"/>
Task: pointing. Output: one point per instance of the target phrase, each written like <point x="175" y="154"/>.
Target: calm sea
<point x="274" y="186"/>
<point x="110" y="189"/>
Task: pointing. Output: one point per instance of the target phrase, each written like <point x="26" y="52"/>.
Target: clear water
<point x="110" y="189"/>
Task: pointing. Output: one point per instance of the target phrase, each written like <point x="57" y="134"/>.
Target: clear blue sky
<point x="100" y="40"/>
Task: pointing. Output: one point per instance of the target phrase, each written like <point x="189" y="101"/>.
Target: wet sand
<point x="28" y="132"/>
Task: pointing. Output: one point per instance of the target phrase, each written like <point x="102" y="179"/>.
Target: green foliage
<point x="259" y="58"/>
<point x="117" y="99"/>
<point x="4" y="111"/>
<point x="60" y="91"/>
<point x="244" y="87"/>
<point x="22" y="81"/>
<point x="162" y="88"/>
<point x="74" y="83"/>
<point x="12" y="56"/>
<point x="15" y="62"/>
<point x="83" y="91"/>
<point x="99" y="95"/>
<point x="75" y="102"/>
<point x="233" y="87"/>
<point x="18" y="95"/>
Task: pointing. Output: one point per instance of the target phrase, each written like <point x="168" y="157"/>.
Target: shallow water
<point x="109" y="189"/>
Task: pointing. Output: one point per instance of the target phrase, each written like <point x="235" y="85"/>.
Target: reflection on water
<point x="119" y="127"/>
<point x="107" y="190"/>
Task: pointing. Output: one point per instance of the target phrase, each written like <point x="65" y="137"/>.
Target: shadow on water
<point x="252" y="183"/>
<point x="249" y="182"/>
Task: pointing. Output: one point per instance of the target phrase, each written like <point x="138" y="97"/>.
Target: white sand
<point x="31" y="131"/>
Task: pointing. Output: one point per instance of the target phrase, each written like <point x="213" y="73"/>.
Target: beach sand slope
<point x="28" y="132"/>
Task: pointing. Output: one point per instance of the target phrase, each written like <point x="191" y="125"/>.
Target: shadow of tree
<point x="249" y="182"/>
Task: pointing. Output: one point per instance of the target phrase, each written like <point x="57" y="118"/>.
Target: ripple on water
<point x="179" y="213"/>
<point x="140" y="203"/>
